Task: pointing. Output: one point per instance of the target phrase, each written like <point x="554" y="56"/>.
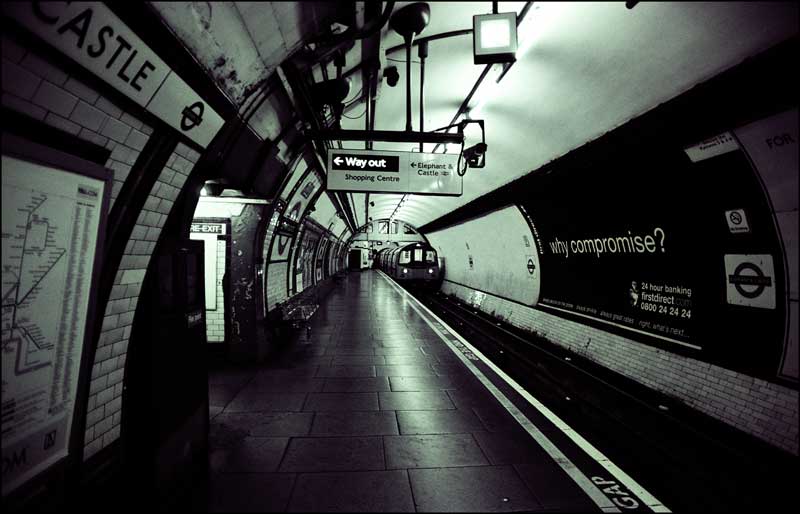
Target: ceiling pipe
<point x="392" y="136"/>
<point x="372" y="101"/>
<point x="423" y="53"/>
<point x="408" y="22"/>
<point x="368" y="106"/>
<point x="416" y="42"/>
<point x="409" y="39"/>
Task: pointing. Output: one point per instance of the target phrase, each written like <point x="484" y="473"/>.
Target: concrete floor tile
<point x="383" y="350"/>
<point x="333" y="454"/>
<point x="352" y="350"/>
<point x="414" y="422"/>
<point x="358" y="360"/>
<point x="413" y="359"/>
<point x="450" y="369"/>
<point x="250" y="492"/>
<point x="354" y="423"/>
<point x="348" y="385"/>
<point x="341" y="402"/>
<point x="282" y="424"/>
<point x="275" y="384"/>
<point x="554" y="488"/>
<point x="267" y="423"/>
<point x="255" y="401"/>
<point x="432" y="451"/>
<point x="364" y="491"/>
<point x="414" y="400"/>
<point x="230" y="376"/>
<point x="424" y="383"/>
<point x="471" y="489"/>
<point x="401" y="370"/>
<point x="345" y="371"/>
<point x="254" y="455"/>
<point x="221" y="395"/>
<point x="516" y="447"/>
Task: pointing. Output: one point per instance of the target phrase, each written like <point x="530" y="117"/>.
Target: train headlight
<point x="430" y="271"/>
<point x="405" y="271"/>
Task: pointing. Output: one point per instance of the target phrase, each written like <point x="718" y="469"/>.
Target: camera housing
<point x="476" y="155"/>
<point x="392" y="75"/>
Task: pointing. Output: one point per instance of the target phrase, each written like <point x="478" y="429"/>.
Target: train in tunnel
<point x="185" y="183"/>
<point x="415" y="263"/>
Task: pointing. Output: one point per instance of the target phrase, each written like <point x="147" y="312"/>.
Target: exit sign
<point x="379" y="171"/>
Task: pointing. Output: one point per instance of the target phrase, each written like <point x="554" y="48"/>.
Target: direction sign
<point x="360" y="162"/>
<point x="393" y="172"/>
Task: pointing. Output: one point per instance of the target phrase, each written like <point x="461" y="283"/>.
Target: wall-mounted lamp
<point x="494" y="37"/>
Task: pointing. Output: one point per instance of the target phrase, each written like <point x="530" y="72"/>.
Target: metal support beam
<point x="391" y="136"/>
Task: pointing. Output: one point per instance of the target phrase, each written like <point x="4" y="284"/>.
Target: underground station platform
<point x="384" y="408"/>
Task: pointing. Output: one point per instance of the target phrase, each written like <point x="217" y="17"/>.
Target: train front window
<point x="430" y="256"/>
<point x="405" y="257"/>
<point x="418" y="255"/>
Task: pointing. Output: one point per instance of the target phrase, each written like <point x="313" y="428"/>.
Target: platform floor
<point x="373" y="413"/>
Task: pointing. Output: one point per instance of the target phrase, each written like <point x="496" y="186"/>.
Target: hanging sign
<point x="394" y="172"/>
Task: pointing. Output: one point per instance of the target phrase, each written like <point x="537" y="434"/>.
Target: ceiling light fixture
<point x="494" y="37"/>
<point x="529" y="25"/>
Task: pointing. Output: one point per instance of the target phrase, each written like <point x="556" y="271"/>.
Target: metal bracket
<point x="394" y="136"/>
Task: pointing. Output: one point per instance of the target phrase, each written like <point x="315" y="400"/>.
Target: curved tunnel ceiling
<point x="583" y="69"/>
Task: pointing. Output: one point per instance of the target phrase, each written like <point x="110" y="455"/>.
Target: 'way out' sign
<point x="394" y="172"/>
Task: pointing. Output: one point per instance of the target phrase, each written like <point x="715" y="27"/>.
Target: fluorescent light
<point x="495" y="34"/>
<point x="494" y="37"/>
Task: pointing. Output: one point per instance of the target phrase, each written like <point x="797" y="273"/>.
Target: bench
<point x="298" y="310"/>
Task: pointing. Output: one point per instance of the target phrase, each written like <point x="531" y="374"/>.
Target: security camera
<point x="474" y="155"/>
<point x="392" y="75"/>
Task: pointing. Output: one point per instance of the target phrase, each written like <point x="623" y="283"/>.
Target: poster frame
<point x="68" y="467"/>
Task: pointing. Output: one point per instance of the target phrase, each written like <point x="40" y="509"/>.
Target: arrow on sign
<point x="337" y="160"/>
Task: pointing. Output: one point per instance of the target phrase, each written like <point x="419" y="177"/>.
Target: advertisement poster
<point x="671" y="246"/>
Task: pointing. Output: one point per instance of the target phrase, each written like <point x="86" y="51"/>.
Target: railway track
<point x="690" y="462"/>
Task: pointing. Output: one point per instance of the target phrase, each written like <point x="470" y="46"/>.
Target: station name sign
<point x="92" y="35"/>
<point x="394" y="172"/>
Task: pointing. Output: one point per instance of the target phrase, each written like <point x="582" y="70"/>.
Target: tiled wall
<point x="215" y="320"/>
<point x="276" y="284"/>
<point x="39" y="89"/>
<point x="105" y="400"/>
